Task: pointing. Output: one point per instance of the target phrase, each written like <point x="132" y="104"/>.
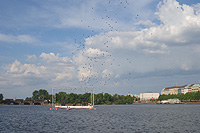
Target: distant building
<point x="134" y="95"/>
<point x="181" y="89"/>
<point x="148" y="96"/>
<point x="137" y="96"/>
<point x="171" y="90"/>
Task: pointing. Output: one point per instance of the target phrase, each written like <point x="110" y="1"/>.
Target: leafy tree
<point x="72" y="98"/>
<point x="87" y="97"/>
<point x="61" y="97"/>
<point x="188" y="96"/>
<point x="43" y="94"/>
<point x="107" y="98"/>
<point x="99" y="98"/>
<point x="129" y="99"/>
<point x="115" y="98"/>
<point x="35" y="95"/>
<point x="28" y="98"/>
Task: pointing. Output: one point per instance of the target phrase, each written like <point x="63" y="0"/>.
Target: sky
<point x="113" y="46"/>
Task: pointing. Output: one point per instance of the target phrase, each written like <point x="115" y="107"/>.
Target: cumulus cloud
<point x="52" y="58"/>
<point x="180" y="22"/>
<point x="48" y="72"/>
<point x="19" y="69"/>
<point x="119" y="58"/>
<point x="164" y="47"/>
<point x="31" y="57"/>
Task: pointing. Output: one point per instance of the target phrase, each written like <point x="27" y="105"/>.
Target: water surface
<point x="112" y="118"/>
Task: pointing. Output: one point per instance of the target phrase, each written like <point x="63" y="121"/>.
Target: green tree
<point x="129" y="99"/>
<point x="72" y="98"/>
<point x="28" y="98"/>
<point x="99" y="98"/>
<point x="35" y="95"/>
<point x="188" y="96"/>
<point x="115" y="98"/>
<point x="43" y="94"/>
<point x="86" y="97"/>
<point x="61" y="97"/>
<point x="107" y="98"/>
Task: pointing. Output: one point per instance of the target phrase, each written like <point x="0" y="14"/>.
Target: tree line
<point x="190" y="96"/>
<point x="83" y="99"/>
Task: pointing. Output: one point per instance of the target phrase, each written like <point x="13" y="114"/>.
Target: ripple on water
<point x="121" y="118"/>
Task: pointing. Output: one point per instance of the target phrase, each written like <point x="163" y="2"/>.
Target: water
<point x="106" y="119"/>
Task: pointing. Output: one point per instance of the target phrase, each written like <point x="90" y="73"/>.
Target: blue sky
<point x="114" y="46"/>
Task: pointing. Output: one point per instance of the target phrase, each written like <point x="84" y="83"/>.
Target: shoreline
<point x="116" y="104"/>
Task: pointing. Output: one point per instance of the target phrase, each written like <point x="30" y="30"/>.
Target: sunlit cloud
<point x="124" y="49"/>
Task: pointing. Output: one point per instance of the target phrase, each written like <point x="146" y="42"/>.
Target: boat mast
<point x="52" y="98"/>
<point x="93" y="96"/>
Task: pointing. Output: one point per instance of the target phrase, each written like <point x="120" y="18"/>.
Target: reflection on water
<point x="113" y="118"/>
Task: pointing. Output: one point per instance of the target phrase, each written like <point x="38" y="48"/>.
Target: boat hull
<point x="74" y="107"/>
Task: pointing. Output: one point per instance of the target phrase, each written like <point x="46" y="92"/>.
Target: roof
<point x="19" y="99"/>
<point x="150" y="92"/>
<point x="172" y="87"/>
<point x="9" y="99"/>
<point x="196" y="85"/>
<point x="185" y="86"/>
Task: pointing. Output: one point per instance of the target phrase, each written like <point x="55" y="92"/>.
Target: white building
<point x="148" y="96"/>
<point x="181" y="89"/>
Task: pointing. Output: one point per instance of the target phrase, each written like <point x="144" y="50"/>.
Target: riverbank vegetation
<point x="191" y="96"/>
<point x="83" y="99"/>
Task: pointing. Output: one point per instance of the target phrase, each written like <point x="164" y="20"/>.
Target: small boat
<point x="74" y="107"/>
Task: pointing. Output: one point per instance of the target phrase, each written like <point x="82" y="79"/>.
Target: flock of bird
<point x="99" y="68"/>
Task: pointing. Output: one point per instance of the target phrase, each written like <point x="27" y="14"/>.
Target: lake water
<point x="105" y="119"/>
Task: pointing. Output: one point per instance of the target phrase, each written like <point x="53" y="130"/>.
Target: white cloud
<point x="19" y="69"/>
<point x="55" y="72"/>
<point x="31" y="57"/>
<point x="17" y="39"/>
<point x="171" y="12"/>
<point x="164" y="47"/>
<point x="52" y="58"/>
<point x="114" y="58"/>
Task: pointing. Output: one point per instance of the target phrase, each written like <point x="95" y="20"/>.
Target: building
<point x="148" y="96"/>
<point x="171" y="90"/>
<point x="194" y="88"/>
<point x="181" y="89"/>
<point x="134" y="95"/>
